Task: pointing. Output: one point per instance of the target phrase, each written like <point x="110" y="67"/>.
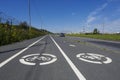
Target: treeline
<point x="14" y="33"/>
<point x="113" y="37"/>
<point x="97" y="35"/>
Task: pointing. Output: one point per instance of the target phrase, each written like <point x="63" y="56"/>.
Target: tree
<point x="0" y="20"/>
<point x="96" y="31"/>
<point x="23" y="25"/>
<point x="7" y="23"/>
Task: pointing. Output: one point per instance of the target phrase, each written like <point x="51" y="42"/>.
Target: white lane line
<point x="72" y="45"/>
<point x="74" y="68"/>
<point x="12" y="57"/>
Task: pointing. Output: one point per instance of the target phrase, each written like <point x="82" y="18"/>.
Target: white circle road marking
<point x="94" y="58"/>
<point x="44" y="58"/>
<point x="20" y="52"/>
<point x="72" y="65"/>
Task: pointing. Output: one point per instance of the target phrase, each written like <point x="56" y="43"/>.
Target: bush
<point x="15" y="33"/>
<point x="96" y="31"/>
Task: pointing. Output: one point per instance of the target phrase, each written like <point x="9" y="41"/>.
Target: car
<point x="62" y="35"/>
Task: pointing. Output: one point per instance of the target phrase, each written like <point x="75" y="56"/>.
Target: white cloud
<point x="109" y="26"/>
<point x="73" y="13"/>
<point x="97" y="20"/>
<point x="113" y="26"/>
<point x="90" y="19"/>
<point x="93" y="15"/>
<point x="118" y="10"/>
<point x="110" y="0"/>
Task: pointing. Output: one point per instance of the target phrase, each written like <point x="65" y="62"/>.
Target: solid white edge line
<point x="74" y="68"/>
<point x="12" y="57"/>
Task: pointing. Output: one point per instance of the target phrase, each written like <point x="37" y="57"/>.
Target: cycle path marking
<point x="23" y="50"/>
<point x="74" y="68"/>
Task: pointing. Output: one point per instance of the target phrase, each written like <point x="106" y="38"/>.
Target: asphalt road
<point x="60" y="58"/>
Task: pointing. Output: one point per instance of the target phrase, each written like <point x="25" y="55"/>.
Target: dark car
<point x="62" y="35"/>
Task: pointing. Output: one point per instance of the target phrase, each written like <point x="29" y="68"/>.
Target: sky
<point x="67" y="15"/>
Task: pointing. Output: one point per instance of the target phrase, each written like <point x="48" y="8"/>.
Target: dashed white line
<point x="12" y="57"/>
<point x="72" y="45"/>
<point x="74" y="68"/>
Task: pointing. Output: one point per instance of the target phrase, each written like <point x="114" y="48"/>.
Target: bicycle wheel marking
<point x="42" y="59"/>
<point x="94" y="58"/>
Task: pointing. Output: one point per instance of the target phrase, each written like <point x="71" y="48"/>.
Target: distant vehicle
<point x="62" y="35"/>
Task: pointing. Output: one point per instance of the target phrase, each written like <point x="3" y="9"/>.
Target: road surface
<point x="60" y="58"/>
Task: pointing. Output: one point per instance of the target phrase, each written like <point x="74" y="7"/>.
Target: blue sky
<point x="67" y="15"/>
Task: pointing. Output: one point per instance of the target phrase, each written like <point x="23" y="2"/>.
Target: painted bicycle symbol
<point x="42" y="59"/>
<point x="94" y="58"/>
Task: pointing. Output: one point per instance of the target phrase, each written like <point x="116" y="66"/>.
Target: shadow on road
<point x="5" y="51"/>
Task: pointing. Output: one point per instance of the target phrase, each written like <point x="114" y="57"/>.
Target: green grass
<point x="15" y="33"/>
<point x="115" y="37"/>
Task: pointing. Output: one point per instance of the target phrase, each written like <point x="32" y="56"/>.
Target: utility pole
<point x="0" y="17"/>
<point x="41" y="24"/>
<point x="103" y="26"/>
<point x="29" y="12"/>
<point x="83" y="29"/>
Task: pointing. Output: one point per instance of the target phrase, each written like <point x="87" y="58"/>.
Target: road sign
<point x="41" y="59"/>
<point x="94" y="58"/>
